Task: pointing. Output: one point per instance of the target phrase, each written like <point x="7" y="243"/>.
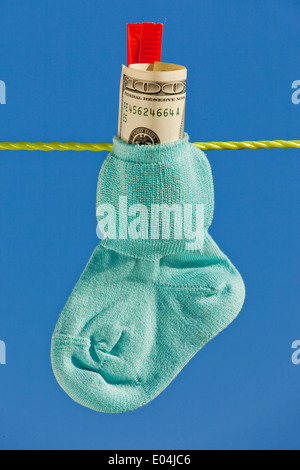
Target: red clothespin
<point x="144" y="43"/>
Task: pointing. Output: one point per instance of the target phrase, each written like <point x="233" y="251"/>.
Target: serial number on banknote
<point x="144" y="111"/>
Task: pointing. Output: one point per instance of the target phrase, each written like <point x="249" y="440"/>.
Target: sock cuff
<point x="134" y="179"/>
<point x="150" y="154"/>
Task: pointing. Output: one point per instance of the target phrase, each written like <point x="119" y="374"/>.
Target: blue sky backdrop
<point x="61" y="62"/>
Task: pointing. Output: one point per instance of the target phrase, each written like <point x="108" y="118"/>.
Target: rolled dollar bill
<point x="152" y="103"/>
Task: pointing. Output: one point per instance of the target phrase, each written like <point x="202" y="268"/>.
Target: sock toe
<point x="91" y="376"/>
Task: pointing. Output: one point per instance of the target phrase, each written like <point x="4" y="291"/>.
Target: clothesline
<point x="97" y="147"/>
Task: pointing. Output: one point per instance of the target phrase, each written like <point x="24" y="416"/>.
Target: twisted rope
<point x="97" y="147"/>
<point x="252" y="145"/>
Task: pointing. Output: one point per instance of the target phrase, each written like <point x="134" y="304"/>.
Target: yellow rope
<point x="253" y="145"/>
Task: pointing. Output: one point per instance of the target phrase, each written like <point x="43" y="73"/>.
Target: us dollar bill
<point x="152" y="103"/>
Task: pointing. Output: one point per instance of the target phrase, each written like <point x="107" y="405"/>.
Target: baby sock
<point x="145" y="305"/>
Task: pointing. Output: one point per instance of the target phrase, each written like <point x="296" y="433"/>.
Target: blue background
<point x="61" y="61"/>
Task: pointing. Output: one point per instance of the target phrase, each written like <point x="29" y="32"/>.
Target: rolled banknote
<point x="152" y="103"/>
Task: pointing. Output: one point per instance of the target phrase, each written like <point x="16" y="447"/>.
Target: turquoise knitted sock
<point x="144" y="307"/>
